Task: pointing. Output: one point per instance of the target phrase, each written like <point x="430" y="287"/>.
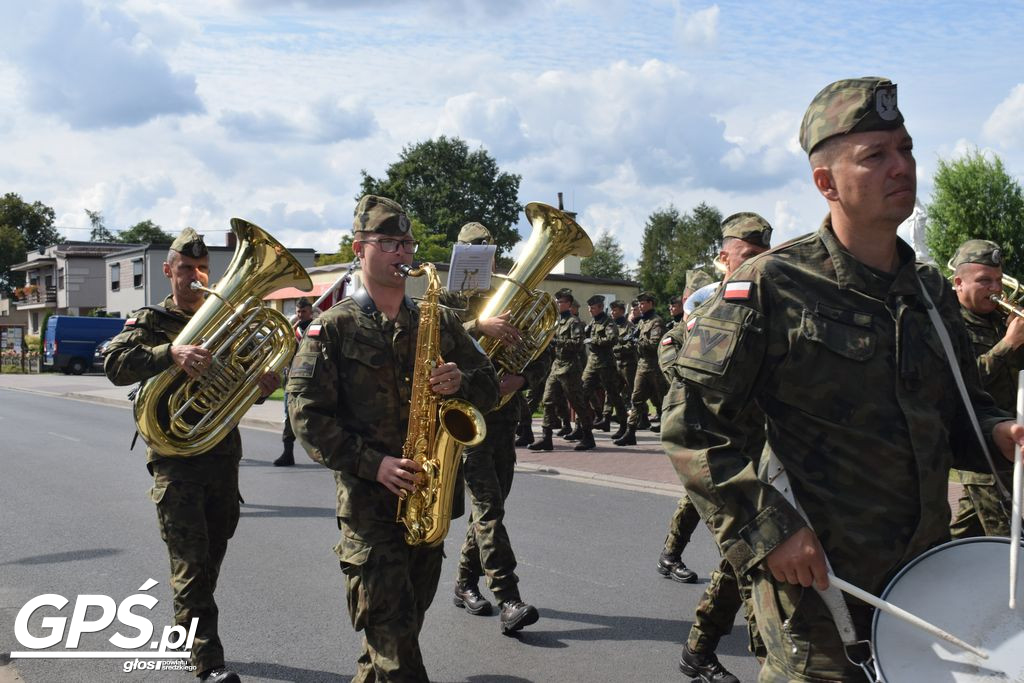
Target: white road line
<point x="69" y="438"/>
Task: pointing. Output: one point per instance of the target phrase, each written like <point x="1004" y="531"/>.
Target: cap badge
<point x="885" y="103"/>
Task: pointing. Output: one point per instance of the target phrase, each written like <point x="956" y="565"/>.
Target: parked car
<point x="70" y="342"/>
<point x="97" y="358"/>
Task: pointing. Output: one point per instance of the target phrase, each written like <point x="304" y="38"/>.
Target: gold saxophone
<point x="533" y="312"/>
<point x="438" y="429"/>
<point x="180" y="416"/>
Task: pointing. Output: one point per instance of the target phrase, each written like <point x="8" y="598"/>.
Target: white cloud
<point x="325" y="121"/>
<point x="1005" y="126"/>
<point x="492" y="122"/>
<point x="698" y="29"/>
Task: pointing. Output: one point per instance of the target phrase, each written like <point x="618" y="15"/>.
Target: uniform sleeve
<point x="479" y="380"/>
<point x="997" y="362"/>
<point x="668" y="350"/>
<point x="651" y="336"/>
<point x="573" y="342"/>
<point x="313" y="405"/>
<point x="139" y="352"/>
<point x="607" y="336"/>
<point x="712" y="427"/>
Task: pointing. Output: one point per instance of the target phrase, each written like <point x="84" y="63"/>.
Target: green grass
<point x="278" y="395"/>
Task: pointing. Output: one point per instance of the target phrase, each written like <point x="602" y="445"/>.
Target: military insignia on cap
<point x="997" y="257"/>
<point x="885" y="103"/>
<point x="197" y="249"/>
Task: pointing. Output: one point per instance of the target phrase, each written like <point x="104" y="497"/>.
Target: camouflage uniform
<point x="624" y="353"/>
<point x="649" y="383"/>
<point x="564" y="383"/>
<point x="349" y="389"/>
<point x="600" y="371"/>
<point x="196" y="497"/>
<point x="845" y="366"/>
<point x="982" y="510"/>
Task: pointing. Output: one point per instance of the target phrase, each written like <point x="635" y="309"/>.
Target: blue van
<point x="71" y="341"/>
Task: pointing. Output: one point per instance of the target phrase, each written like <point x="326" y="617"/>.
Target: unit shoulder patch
<point x="710" y="344"/>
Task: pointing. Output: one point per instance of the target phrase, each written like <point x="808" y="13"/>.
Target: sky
<point x="194" y="111"/>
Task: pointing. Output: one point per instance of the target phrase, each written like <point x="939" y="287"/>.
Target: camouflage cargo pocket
<point x="353" y="556"/>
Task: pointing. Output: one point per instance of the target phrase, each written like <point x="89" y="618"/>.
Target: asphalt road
<point x="77" y="521"/>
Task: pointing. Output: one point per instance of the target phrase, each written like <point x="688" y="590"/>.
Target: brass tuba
<point x="533" y="312"/>
<point x="181" y="416"/>
<point x="439" y="428"/>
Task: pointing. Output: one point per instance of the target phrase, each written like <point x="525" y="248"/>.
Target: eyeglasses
<point x="391" y="246"/>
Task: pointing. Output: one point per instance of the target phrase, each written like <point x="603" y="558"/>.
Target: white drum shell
<point x="963" y="588"/>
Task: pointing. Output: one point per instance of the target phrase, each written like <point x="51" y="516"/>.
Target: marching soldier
<point x="625" y="360"/>
<point x="349" y="392"/>
<point x="564" y="381"/>
<point x="304" y="311"/>
<point x="601" y="372"/>
<point x="196" y="497"/>
<point x="977" y="277"/>
<point x="650" y="383"/>
<point x="675" y="311"/>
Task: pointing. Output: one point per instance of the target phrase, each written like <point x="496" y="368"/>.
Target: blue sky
<point x="190" y="112"/>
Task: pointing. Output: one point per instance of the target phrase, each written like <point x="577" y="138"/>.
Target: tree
<point x="975" y="198"/>
<point x="23" y="226"/>
<point x="444" y="185"/>
<point x="144" y="232"/>
<point x="99" y="232"/>
<point x="674" y="243"/>
<point x="607" y="261"/>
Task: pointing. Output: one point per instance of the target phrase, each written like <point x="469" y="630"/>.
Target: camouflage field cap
<point x="190" y="243"/>
<point x="596" y="299"/>
<point x="474" y="233"/>
<point x="380" y="215"/>
<point x="619" y="304"/>
<point x="645" y="296"/>
<point x="852" y="105"/>
<point x="977" y="251"/>
<point x="564" y="294"/>
<point x="749" y="227"/>
<point x="696" y="278"/>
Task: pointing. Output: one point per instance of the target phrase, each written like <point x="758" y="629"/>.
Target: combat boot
<point x="621" y="430"/>
<point x="682" y="573"/>
<point x="627" y="439"/>
<point x="525" y="436"/>
<point x="605" y="425"/>
<point x="545" y="442"/>
<point x="704" y="667"/>
<point x="644" y="422"/>
<point x="219" y="674"/>
<point x="566" y="430"/>
<point x="575" y="434"/>
<point x="516" y="614"/>
<point x="586" y="441"/>
<point x="287" y="458"/>
<point x="656" y="428"/>
<point x="469" y="598"/>
<point x="666" y="563"/>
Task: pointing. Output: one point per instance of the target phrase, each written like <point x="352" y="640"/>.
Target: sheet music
<point x="470" y="268"/>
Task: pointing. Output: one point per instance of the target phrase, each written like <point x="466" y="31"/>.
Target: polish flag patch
<point x="314" y="330"/>
<point x="130" y="322"/>
<point x="738" y="291"/>
<point x="667" y="341"/>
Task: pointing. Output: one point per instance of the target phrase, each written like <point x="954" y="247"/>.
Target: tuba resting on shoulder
<point x="439" y="428"/>
<point x="533" y="312"/>
<point x="181" y="416"/>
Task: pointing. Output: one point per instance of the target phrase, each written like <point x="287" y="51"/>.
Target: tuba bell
<point x="533" y="312"/>
<point x="180" y="416"/>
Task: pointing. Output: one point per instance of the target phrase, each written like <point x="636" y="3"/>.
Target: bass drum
<point x="963" y="588"/>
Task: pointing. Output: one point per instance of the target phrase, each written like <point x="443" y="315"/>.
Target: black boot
<point x="468" y="597"/>
<point x="620" y="432"/>
<point x="566" y="430"/>
<point x="525" y="436"/>
<point x="515" y="614"/>
<point x="605" y="424"/>
<point x="656" y="428"/>
<point x="704" y="667"/>
<point x="644" y="423"/>
<point x="666" y="563"/>
<point x="287" y="458"/>
<point x="545" y="442"/>
<point x="219" y="674"/>
<point x="586" y="441"/>
<point x="627" y="439"/>
<point x="575" y="434"/>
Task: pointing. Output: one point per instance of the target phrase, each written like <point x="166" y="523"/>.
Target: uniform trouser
<point x="389" y="586"/>
<point x="606" y="376"/>
<point x="981" y="513"/>
<point x="487" y="551"/>
<point x="680" y="528"/>
<point x="627" y="373"/>
<point x="649" y="386"/>
<point x="564" y="383"/>
<point x="288" y="436"/>
<point x="197" y="508"/>
<point x="716" y="610"/>
<point x="800" y="639"/>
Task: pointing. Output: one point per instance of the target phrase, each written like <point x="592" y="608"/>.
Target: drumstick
<point x="1018" y="476"/>
<point x="900" y="613"/>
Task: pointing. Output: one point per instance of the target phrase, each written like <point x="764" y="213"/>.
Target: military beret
<point x="977" y="251"/>
<point x="190" y="243"/>
<point x="634" y="303"/>
<point x="302" y="303"/>
<point x="575" y="303"/>
<point x="749" y="227"/>
<point x="645" y="296"/>
<point x="474" y="233"/>
<point x="596" y="299"/>
<point x="380" y="215"/>
<point x="618" y="303"/>
<point x="674" y="300"/>
<point x="852" y="105"/>
<point x="564" y="293"/>
<point x="696" y="278"/>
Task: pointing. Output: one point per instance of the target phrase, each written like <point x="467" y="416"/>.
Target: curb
<point x="610" y="480"/>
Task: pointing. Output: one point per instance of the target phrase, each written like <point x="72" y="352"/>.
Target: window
<point x="115" y="277"/>
<point x="137" y="273"/>
<point x="60" y="278"/>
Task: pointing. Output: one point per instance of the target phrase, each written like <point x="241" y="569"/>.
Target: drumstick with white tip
<point x="900" y="613"/>
<point x="1018" y="482"/>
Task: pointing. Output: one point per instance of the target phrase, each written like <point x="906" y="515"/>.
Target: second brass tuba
<point x="181" y="416"/>
<point x="533" y="312"/>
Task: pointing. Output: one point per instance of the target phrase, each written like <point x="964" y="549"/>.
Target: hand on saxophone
<point x="192" y="359"/>
<point x="499" y="328"/>
<point x="445" y="379"/>
<point x="398" y="474"/>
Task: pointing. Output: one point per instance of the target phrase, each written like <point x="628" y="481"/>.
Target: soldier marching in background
<point x="601" y="376"/>
<point x="625" y="361"/>
<point x="649" y="384"/>
<point x="304" y="311"/>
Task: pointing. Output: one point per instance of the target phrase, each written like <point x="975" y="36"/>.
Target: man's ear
<point x="167" y="270"/>
<point x="825" y="182"/>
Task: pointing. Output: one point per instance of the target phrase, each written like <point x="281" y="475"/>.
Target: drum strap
<point x="947" y="346"/>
